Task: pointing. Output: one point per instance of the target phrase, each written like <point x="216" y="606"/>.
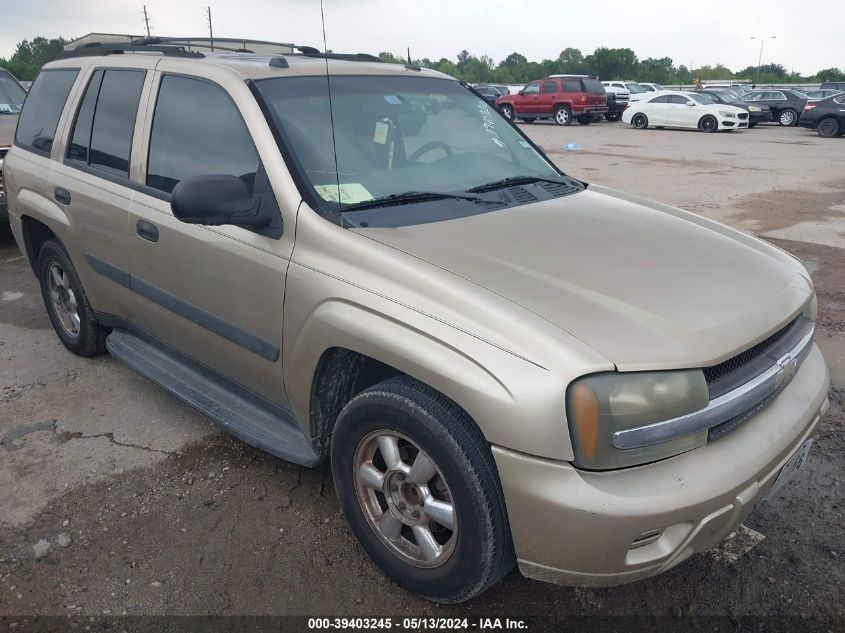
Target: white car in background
<point x="650" y="87"/>
<point x="673" y="108"/>
<point x="635" y="90"/>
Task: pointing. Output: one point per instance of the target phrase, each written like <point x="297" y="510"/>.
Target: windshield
<point x="729" y="97"/>
<point x="635" y="88"/>
<point x="394" y="136"/>
<point x="11" y="94"/>
<point x="658" y="87"/>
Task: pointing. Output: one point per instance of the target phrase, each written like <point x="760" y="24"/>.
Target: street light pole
<point x="760" y="58"/>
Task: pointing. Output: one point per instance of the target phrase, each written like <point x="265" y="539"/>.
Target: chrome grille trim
<point x="725" y="407"/>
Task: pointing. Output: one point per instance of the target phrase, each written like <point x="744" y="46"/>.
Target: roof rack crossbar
<point x="310" y="51"/>
<point x="101" y="50"/>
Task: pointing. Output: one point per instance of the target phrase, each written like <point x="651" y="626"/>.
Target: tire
<point x="788" y="117"/>
<point x="585" y="119"/>
<point x="528" y="121"/>
<point x="829" y="128"/>
<point x="639" y="121"/>
<point x="67" y="304"/>
<point x="563" y="115"/>
<point x="613" y="116"/>
<point x="507" y="111"/>
<point x="751" y="125"/>
<point x="477" y="551"/>
<point x="708" y="123"/>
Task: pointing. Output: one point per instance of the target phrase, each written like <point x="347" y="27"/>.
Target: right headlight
<point x="600" y="404"/>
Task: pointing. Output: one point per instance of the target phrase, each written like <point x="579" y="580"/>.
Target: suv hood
<point x="645" y="285"/>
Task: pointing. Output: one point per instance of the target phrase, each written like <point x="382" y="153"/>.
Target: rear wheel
<point x="708" y="124"/>
<point x="640" y="121"/>
<point x="613" y="116"/>
<point x="788" y="117"/>
<point x="506" y="111"/>
<point x="563" y="115"/>
<point x="829" y="128"/>
<point x="418" y="485"/>
<point x="67" y="304"/>
<point x="585" y="119"/>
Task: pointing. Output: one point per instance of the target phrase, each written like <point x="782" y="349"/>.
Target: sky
<point x="691" y="33"/>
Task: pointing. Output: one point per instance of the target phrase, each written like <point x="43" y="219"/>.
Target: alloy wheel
<point x="63" y="299"/>
<point x="787" y="118"/>
<point x="562" y="116"/>
<point x="405" y="499"/>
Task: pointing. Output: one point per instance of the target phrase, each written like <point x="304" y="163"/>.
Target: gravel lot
<point x="116" y="498"/>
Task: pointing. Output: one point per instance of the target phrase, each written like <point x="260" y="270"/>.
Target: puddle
<point x="833" y="350"/>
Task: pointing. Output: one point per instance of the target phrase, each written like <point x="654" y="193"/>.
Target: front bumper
<point x="577" y="528"/>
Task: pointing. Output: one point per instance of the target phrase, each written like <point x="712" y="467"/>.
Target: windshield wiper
<point x="409" y="197"/>
<point x="513" y="180"/>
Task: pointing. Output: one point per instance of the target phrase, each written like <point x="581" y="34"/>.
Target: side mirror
<point x="521" y="92"/>
<point x="216" y="200"/>
<point x="691" y="104"/>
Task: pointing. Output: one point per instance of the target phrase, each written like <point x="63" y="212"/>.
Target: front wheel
<point x="829" y="128"/>
<point x="507" y="112"/>
<point x="418" y="485"/>
<point x="788" y="118"/>
<point x="708" y="124"/>
<point x="640" y="121"/>
<point x="67" y="304"/>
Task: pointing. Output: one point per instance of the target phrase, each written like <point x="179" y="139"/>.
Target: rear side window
<point x="663" y="99"/>
<point x="572" y="85"/>
<point x="549" y="87"/>
<point x="44" y="104"/>
<point x="105" y="121"/>
<point x="197" y="131"/>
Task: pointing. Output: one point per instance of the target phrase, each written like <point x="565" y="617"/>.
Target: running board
<point x="246" y="416"/>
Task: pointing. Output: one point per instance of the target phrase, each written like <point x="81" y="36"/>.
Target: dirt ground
<point x="115" y="498"/>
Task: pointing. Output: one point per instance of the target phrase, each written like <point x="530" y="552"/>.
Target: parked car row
<point x="714" y="107"/>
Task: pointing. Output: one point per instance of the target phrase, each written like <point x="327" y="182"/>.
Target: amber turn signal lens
<point x="585" y="405"/>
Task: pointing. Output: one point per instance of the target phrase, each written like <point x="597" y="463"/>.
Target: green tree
<point x="571" y="60"/>
<point x="30" y="56"/>
<point x="829" y="74"/>
<point x="659" y="71"/>
<point x="613" y="63"/>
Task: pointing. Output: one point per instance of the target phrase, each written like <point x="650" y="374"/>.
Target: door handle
<point x="62" y="196"/>
<point x="147" y="230"/>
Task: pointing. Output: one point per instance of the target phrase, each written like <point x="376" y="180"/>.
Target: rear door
<point x="215" y="293"/>
<point x="548" y="96"/>
<point x="92" y="179"/>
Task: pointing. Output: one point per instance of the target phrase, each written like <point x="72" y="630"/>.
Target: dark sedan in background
<point x="827" y="116"/>
<point x="490" y="92"/>
<point x="757" y="112"/>
<point x="786" y="105"/>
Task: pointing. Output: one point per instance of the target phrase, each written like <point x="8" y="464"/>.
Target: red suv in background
<point x="559" y="97"/>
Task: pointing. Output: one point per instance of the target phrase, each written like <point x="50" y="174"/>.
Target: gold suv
<point x="336" y="258"/>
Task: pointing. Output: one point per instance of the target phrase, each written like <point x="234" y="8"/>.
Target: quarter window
<point x="663" y="99"/>
<point x="44" y="104"/>
<point x="197" y="131"/>
<point x="571" y="85"/>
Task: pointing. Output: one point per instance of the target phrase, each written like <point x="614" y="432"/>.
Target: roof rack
<point x="310" y="51"/>
<point x="96" y="49"/>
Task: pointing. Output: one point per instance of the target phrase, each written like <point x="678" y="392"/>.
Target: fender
<point x="502" y="393"/>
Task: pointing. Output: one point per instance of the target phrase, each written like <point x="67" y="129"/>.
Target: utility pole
<point x="409" y="54"/>
<point x="760" y="58"/>
<point x="147" y="20"/>
<point x="210" y="30"/>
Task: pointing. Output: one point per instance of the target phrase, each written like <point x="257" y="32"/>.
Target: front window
<point x="532" y="88"/>
<point x="699" y="99"/>
<point x="11" y="94"/>
<point x="635" y="88"/>
<point x="384" y="136"/>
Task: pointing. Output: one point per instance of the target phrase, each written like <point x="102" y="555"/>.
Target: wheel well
<point x="341" y="375"/>
<point x="35" y="233"/>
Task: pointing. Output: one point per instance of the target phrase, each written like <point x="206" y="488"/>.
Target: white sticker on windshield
<point x="489" y="125"/>
<point x="380" y="134"/>
<point x="392" y="99"/>
<point x="346" y="193"/>
<point x="5" y="107"/>
<point x="524" y="143"/>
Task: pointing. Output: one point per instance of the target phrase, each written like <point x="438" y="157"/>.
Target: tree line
<point x="606" y="63"/>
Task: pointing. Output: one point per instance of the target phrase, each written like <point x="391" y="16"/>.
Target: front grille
<point x="743" y="116"/>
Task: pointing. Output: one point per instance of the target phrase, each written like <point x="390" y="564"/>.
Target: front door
<point x="214" y="293"/>
<point x="527" y="102"/>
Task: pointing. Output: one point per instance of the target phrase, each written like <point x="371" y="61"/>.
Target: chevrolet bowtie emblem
<point x="788" y="366"/>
